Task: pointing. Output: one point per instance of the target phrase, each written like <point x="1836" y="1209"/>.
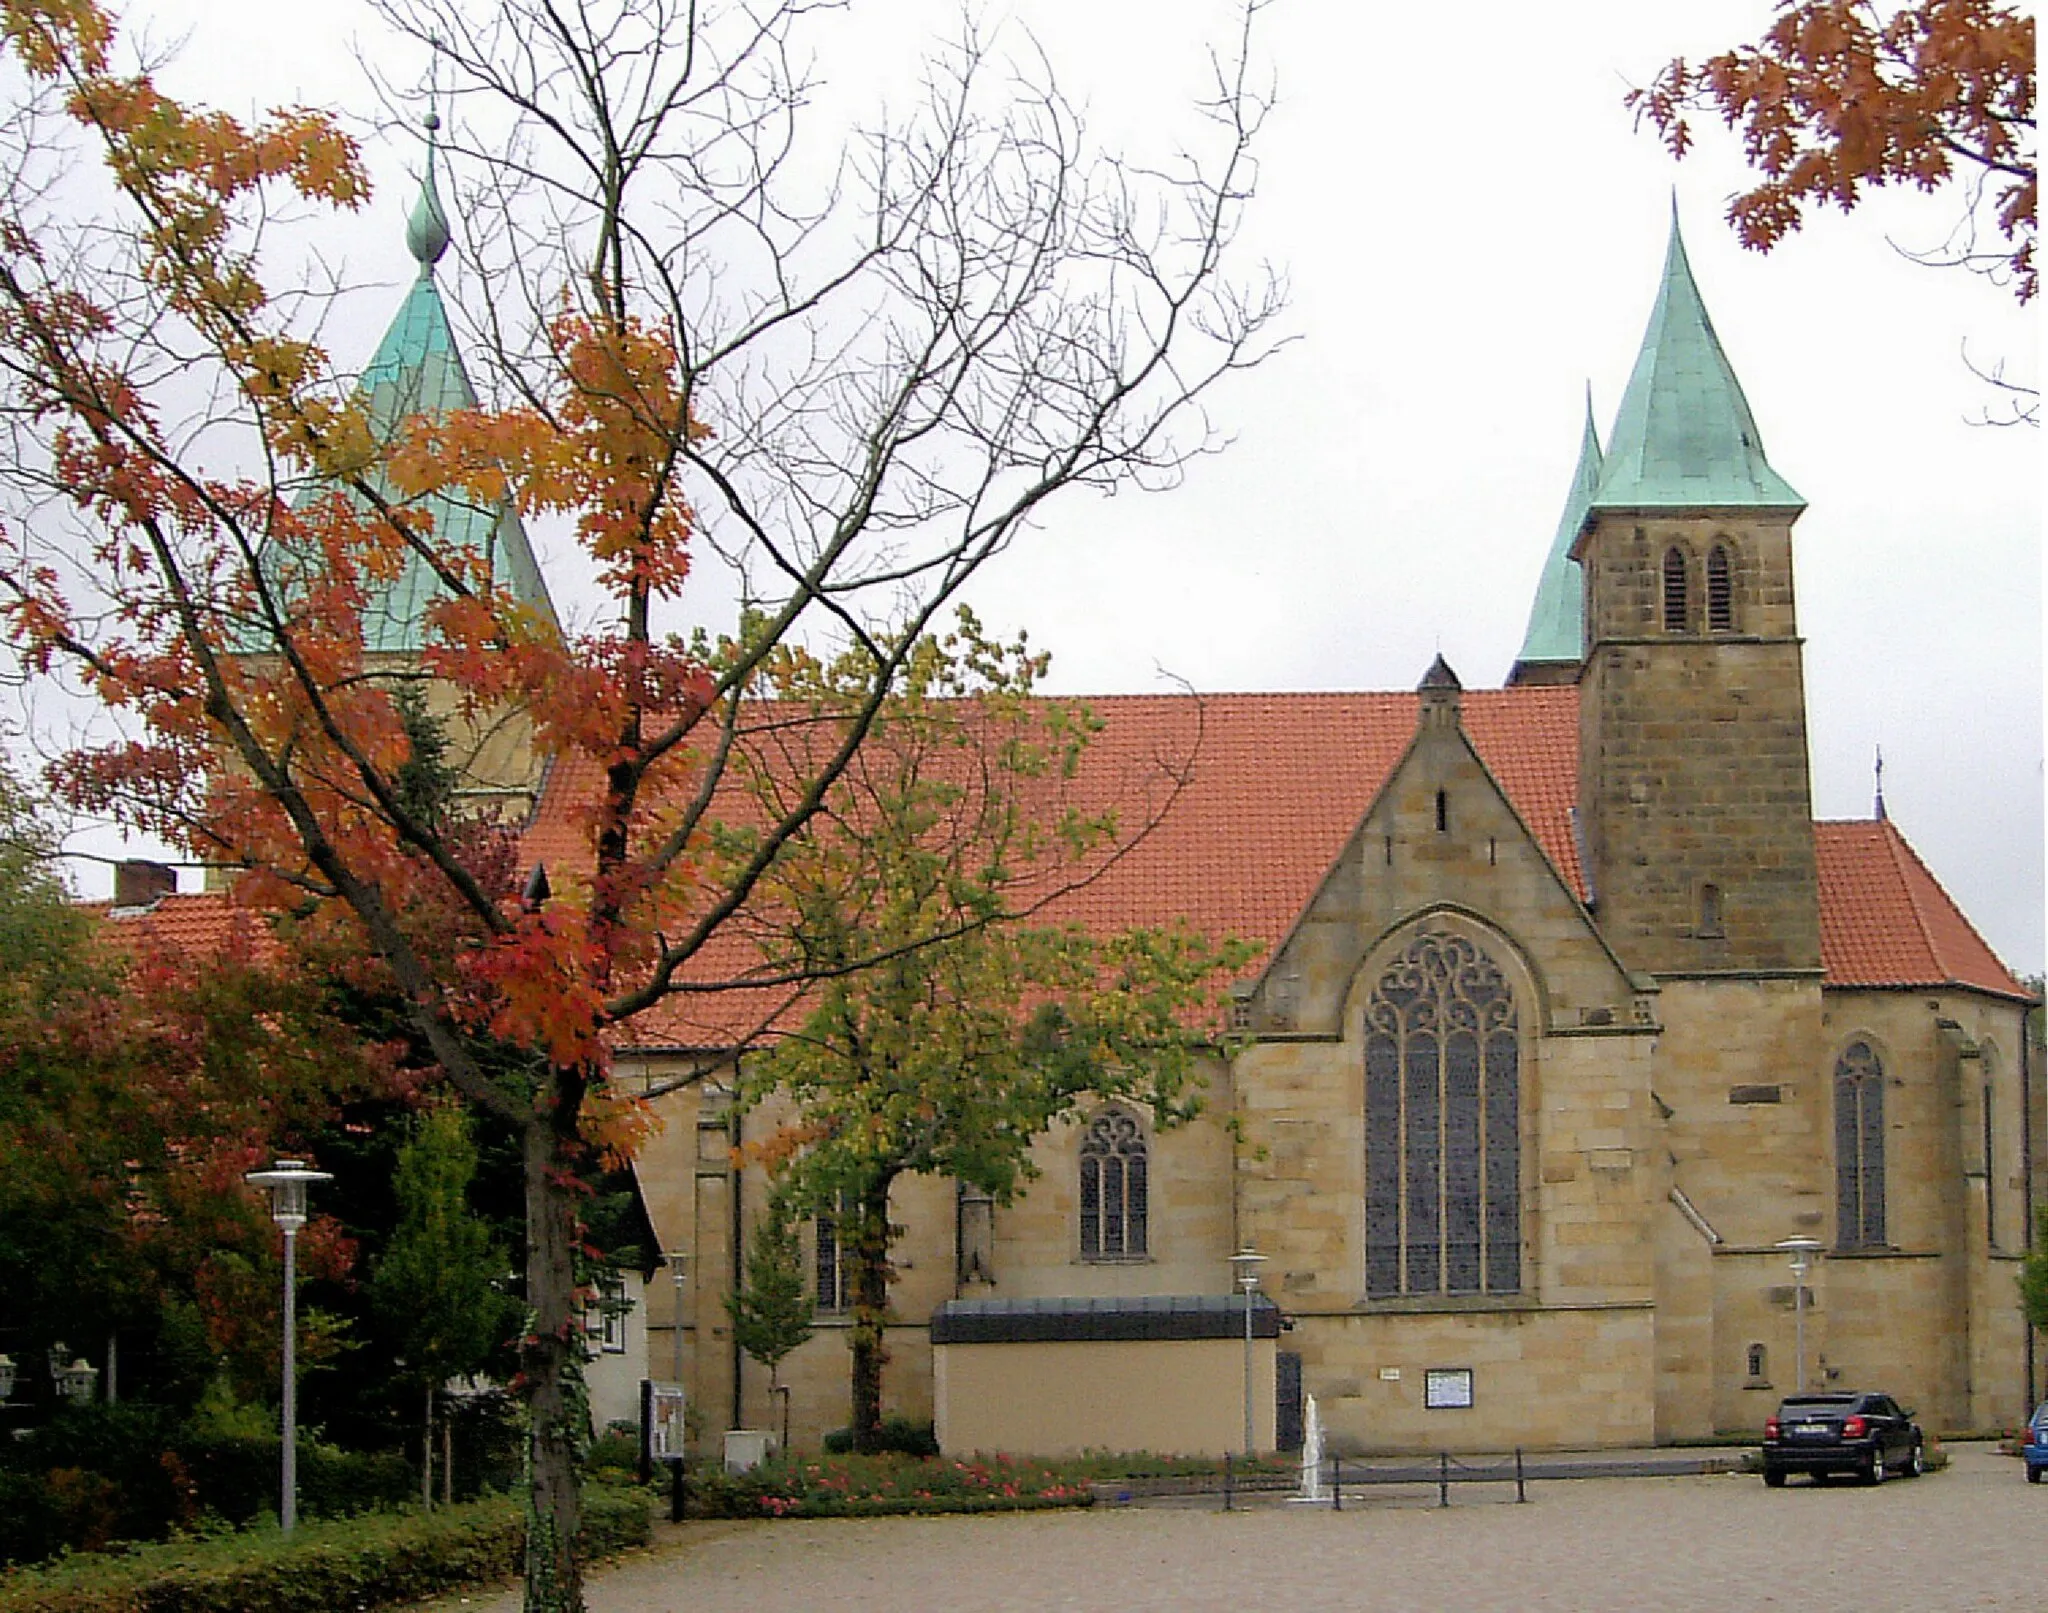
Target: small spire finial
<point x="1878" y="809"/>
<point x="426" y="230"/>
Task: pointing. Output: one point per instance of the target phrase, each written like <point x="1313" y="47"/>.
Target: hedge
<point x="106" y="1473"/>
<point x="371" y="1561"/>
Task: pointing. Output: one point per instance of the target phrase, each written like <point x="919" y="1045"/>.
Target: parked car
<point x="2034" y="1444"/>
<point x="1857" y="1432"/>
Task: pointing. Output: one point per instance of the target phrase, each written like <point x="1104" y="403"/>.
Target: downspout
<point x="735" y="1134"/>
<point x="2027" y="1172"/>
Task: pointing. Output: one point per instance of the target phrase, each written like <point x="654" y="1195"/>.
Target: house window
<point x="1859" y="1148"/>
<point x="1758" y="1360"/>
<point x="1442" y="1125"/>
<point x="612" y="1307"/>
<point x="1720" y="591"/>
<point x="1114" y="1185"/>
<point x="1677" y="606"/>
<point x="834" y="1285"/>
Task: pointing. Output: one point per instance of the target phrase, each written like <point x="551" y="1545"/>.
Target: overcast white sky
<point x="1473" y="233"/>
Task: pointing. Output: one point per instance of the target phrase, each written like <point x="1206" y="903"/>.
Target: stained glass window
<point x="1113" y="1188"/>
<point x="1442" y="1125"/>
<point x="1859" y="1148"/>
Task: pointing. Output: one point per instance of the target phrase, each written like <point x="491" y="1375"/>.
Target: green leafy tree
<point x="954" y="1022"/>
<point x="2034" y="1274"/>
<point x="435" y="1284"/>
<point x="772" y="1308"/>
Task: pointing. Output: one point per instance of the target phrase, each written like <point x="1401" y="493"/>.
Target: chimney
<point x="140" y="883"/>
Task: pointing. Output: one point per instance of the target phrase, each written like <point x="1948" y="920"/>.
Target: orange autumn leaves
<point x="1840" y="94"/>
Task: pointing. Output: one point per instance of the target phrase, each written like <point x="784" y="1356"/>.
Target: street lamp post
<point x="1244" y="1266"/>
<point x="1800" y="1251"/>
<point x="678" y="1266"/>
<point x="287" y="1181"/>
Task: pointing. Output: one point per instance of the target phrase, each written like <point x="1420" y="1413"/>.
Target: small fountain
<point x="1311" y="1452"/>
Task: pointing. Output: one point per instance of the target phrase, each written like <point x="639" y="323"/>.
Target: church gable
<point x="1441" y="834"/>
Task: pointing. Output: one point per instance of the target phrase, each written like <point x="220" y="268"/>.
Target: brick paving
<point x="1966" y="1538"/>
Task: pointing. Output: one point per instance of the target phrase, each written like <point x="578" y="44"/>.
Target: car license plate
<point x="1809" y="1428"/>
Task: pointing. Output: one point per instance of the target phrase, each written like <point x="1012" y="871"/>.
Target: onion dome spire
<point x="426" y="230"/>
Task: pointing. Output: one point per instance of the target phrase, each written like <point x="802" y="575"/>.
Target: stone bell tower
<point x="1693" y="791"/>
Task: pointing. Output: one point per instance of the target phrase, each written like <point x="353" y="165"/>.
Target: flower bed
<point x="878" y="1486"/>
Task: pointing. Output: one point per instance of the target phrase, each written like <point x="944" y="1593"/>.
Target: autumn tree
<point x="852" y="388"/>
<point x="954" y="1017"/>
<point x="137" y="1085"/>
<point x="1841" y="95"/>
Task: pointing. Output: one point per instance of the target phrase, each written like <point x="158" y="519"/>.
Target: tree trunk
<point x="870" y="1250"/>
<point x="427" y="1452"/>
<point x="550" y="1360"/>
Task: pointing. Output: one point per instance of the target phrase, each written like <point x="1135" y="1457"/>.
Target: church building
<point x="1568" y="1027"/>
<point x="1570" y="1021"/>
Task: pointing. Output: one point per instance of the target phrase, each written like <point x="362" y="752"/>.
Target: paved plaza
<point x="1969" y="1537"/>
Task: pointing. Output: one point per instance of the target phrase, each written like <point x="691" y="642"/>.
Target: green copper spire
<point x="1557" y="620"/>
<point x="1684" y="437"/>
<point x="418" y="370"/>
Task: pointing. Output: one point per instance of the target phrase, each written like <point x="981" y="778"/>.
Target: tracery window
<point x="1859" y="1148"/>
<point x="1114" y="1188"/>
<point x="1442" y="1125"/>
<point x="1720" y="591"/>
<point x="1677" y="603"/>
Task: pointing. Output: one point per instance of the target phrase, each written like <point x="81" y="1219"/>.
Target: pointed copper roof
<point x="417" y="369"/>
<point x="1683" y="437"/>
<point x="1557" y="627"/>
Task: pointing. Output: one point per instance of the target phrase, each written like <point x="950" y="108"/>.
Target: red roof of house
<point x="204" y="922"/>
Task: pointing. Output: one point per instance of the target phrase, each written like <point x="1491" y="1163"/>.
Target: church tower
<point x="1693" y="792"/>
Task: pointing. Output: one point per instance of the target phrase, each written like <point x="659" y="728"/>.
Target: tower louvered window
<point x="1114" y="1188"/>
<point x="1442" y="1125"/>
<point x="1677" y="611"/>
<point x="1859" y="1148"/>
<point x="1720" y="591"/>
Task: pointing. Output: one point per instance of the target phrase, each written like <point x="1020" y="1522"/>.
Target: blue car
<point x="2034" y="1444"/>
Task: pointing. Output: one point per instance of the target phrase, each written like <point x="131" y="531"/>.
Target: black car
<point x="1852" y="1432"/>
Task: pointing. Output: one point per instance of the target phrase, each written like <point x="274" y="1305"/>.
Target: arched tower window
<point x="1720" y="591"/>
<point x="1859" y="1148"/>
<point x="1677" y="591"/>
<point x="1758" y="1359"/>
<point x="1113" y="1188"/>
<point x="1442" y="1125"/>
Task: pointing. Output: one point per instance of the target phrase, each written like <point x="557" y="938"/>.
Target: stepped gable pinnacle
<point x="417" y="370"/>
<point x="1557" y="628"/>
<point x="1683" y="437"/>
<point x="1439" y="677"/>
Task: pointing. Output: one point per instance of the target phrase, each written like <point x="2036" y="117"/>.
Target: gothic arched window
<point x="1859" y="1148"/>
<point x="1677" y="591"/>
<point x="1442" y="1125"/>
<point x="1720" y="591"/>
<point x="1113" y="1188"/>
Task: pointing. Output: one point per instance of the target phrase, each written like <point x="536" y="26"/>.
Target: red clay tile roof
<point x="1273" y="786"/>
<point x="203" y="922"/>
<point x="1886" y="921"/>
